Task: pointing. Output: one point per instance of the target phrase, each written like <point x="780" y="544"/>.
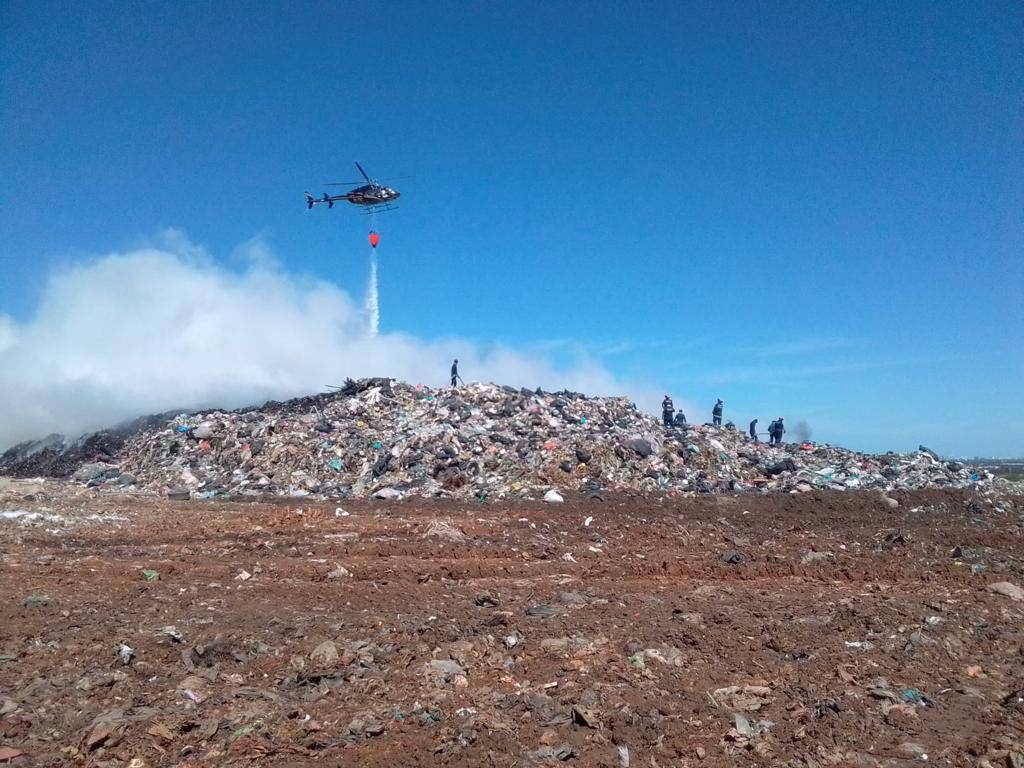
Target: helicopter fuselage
<point x="371" y="194"/>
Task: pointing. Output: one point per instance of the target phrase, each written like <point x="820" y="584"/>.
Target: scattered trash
<point x="748" y="698"/>
<point x="243" y="575"/>
<point x="149" y="575"/>
<point x="171" y="632"/>
<point x="914" y="696"/>
<point x="542" y="611"/>
<point x="125" y="654"/>
<point x="553" y="497"/>
<point x="858" y="645"/>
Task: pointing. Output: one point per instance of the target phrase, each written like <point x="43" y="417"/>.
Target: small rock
<point x="339" y="572"/>
<point x="585" y="717"/>
<point x="816" y="558"/>
<point x="554" y="644"/>
<point x="99" y="736"/>
<point x="387" y="494"/>
<point x="325" y="654"/>
<point x="914" y="750"/>
<point x="1007" y="589"/>
<point x="160" y="732"/>
<point x="446" y="669"/>
<point x="553" y="497"/>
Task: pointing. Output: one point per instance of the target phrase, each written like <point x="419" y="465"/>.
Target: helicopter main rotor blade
<point x="356" y="183"/>
<point x="362" y="172"/>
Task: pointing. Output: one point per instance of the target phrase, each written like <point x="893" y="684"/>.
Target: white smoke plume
<point x="373" y="299"/>
<point x="166" y="327"/>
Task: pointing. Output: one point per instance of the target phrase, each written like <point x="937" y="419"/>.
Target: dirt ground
<point x="792" y="630"/>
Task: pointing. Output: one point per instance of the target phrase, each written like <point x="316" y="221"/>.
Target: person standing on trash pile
<point x="716" y="413"/>
<point x="753" y="431"/>
<point x="668" y="410"/>
<point x="455" y="373"/>
<point x="776" y="431"/>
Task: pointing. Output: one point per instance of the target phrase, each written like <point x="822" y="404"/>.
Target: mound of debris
<point x="57" y="456"/>
<point x="381" y="438"/>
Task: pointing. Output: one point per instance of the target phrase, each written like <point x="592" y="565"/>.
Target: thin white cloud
<point x="798" y="347"/>
<point x="780" y="374"/>
<point x="164" y="327"/>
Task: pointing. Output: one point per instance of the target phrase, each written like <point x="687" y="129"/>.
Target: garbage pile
<point x="57" y="456"/>
<point x="381" y="438"/>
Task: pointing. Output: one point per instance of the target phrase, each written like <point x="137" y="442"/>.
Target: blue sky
<point x="806" y="209"/>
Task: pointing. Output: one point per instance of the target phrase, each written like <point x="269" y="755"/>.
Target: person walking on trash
<point x="753" y="431"/>
<point x="668" y="410"/>
<point x="716" y="413"/>
<point x="455" y="373"/>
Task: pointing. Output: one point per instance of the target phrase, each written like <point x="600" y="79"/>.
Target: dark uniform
<point x="716" y="414"/>
<point x="753" y="430"/>
<point x="667" y="411"/>
<point x="776" y="431"/>
<point x="455" y="373"/>
<point x="680" y="419"/>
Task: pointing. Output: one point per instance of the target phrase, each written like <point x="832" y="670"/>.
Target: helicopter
<point x="371" y="196"/>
